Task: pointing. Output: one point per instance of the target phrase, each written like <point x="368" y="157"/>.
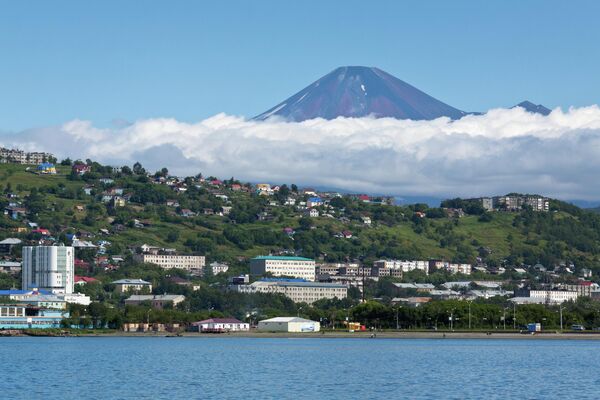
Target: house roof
<point x="10" y="241"/>
<point x="219" y="321"/>
<point x="160" y="297"/>
<point x="286" y="319"/>
<point x="282" y="258"/>
<point x="131" y="282"/>
<point x="86" y="279"/>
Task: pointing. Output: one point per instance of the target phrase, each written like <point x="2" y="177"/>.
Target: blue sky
<point x="115" y="60"/>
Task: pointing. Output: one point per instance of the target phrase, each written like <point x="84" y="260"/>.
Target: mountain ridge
<point x="357" y="91"/>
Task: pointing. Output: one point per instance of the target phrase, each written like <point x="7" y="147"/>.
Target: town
<point x="88" y="246"/>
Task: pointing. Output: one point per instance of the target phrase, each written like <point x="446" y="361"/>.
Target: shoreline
<point x="332" y="335"/>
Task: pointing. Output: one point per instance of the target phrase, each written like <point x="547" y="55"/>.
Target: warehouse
<point x="289" y="324"/>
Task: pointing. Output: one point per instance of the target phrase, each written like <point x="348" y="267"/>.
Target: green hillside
<point x="59" y="203"/>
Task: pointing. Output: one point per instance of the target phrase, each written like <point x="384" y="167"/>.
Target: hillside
<point x="186" y="214"/>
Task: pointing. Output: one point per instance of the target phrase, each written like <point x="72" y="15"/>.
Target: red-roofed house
<point x="41" y="231"/>
<point x="82" y="280"/>
<point x="81" y="169"/>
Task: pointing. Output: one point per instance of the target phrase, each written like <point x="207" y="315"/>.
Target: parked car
<point x="577" y="328"/>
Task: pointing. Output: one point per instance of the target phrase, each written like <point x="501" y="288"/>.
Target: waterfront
<point x="150" y="368"/>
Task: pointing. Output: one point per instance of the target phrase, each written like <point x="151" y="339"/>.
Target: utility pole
<point x="504" y="317"/>
<point x="515" y="315"/>
<point x="560" y="307"/>
<point x="470" y="314"/>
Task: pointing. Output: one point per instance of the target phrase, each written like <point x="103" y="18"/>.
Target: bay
<point x="281" y="368"/>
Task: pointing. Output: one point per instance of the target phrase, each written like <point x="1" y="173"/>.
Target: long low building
<point x="156" y="301"/>
<point x="216" y="325"/>
<point x="545" y="296"/>
<point x="298" y="290"/>
<point x="297" y="267"/>
<point x="168" y="261"/>
<point x="289" y="324"/>
<point x="22" y="316"/>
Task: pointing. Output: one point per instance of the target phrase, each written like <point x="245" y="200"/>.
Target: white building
<point x="277" y="266"/>
<point x="218" y="268"/>
<point x="221" y="325"/>
<point x="131" y="285"/>
<point x="168" y="261"/>
<point x="48" y="268"/>
<point x="547" y="296"/>
<point x="451" y="267"/>
<point x="298" y="291"/>
<point x="289" y="324"/>
<point x="404" y="266"/>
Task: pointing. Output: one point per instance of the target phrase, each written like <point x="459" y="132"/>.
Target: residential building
<point x="453" y="268"/>
<point x="313" y="213"/>
<point x="83" y="280"/>
<point x="299" y="291"/>
<point x="278" y="266"/>
<point x="48" y="268"/>
<point x="21" y="157"/>
<point x="487" y="203"/>
<point x="289" y="324"/>
<point x="404" y="266"/>
<point x="81" y="169"/>
<point x="411" y="301"/>
<point x="218" y="268"/>
<point x="156" y="301"/>
<point x="419" y="287"/>
<point x="217" y="325"/>
<point x="547" y="296"/>
<point x="314" y="202"/>
<point x="167" y="261"/>
<point x="10" y="267"/>
<point x="7" y="244"/>
<point x="131" y="285"/>
<point x="583" y="288"/>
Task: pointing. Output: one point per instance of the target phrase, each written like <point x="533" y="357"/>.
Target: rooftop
<point x="287" y="319"/>
<point x="130" y="282"/>
<point x="282" y="258"/>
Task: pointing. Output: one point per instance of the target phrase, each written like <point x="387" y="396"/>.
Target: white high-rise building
<point x="48" y="268"/>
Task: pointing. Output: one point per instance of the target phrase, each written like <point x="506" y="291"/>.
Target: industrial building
<point x="289" y="324"/>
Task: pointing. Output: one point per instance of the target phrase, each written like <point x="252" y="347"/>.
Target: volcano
<point x="533" y="108"/>
<point x="356" y="92"/>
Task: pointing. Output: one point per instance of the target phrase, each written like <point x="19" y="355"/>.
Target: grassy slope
<point x="494" y="235"/>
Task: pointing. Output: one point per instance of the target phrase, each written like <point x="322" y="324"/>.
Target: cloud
<point x="499" y="152"/>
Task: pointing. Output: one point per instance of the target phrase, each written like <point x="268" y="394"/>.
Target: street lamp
<point x="300" y="308"/>
<point x="452" y="320"/>
<point x="397" y="322"/>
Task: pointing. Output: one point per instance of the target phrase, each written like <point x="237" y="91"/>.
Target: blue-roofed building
<point x="314" y="202"/>
<point x="282" y="266"/>
<point x="23" y="316"/>
<point x="46" y="168"/>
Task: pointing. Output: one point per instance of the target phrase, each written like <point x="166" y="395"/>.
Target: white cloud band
<point x="501" y="151"/>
